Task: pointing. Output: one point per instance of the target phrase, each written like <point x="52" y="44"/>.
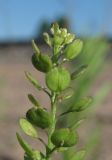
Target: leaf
<point x="33" y="81"/>
<point x="79" y="155"/>
<point x="73" y="49"/>
<point x="35" y="48"/>
<point x="28" y="128"/>
<point x="58" y="79"/>
<point x="33" y="100"/>
<point x="78" y="72"/>
<point x="81" y="105"/>
<point x="24" y="145"/>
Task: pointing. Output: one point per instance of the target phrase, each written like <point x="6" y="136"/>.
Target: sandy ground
<point x="13" y="104"/>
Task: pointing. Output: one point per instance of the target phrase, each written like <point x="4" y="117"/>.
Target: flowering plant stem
<point x="57" y="78"/>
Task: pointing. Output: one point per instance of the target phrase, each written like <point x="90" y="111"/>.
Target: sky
<point x="20" y="19"/>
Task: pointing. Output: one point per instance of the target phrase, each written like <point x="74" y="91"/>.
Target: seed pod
<point x="47" y="39"/>
<point x="35" y="48"/>
<point x="55" y="28"/>
<point x="78" y="72"/>
<point x="58" y="79"/>
<point x="28" y="128"/>
<point x="24" y="145"/>
<point x="82" y="104"/>
<point x="42" y="62"/>
<point x="33" y="100"/>
<point x="64" y="137"/>
<point x="73" y="49"/>
<point x="33" y="81"/>
<point x="39" y="117"/>
<point x="66" y="94"/>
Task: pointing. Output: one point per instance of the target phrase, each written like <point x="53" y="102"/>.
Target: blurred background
<point x="20" y="22"/>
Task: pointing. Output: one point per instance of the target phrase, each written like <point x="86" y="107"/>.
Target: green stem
<point x="52" y="127"/>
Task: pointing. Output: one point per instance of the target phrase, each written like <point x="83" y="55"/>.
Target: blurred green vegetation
<point x="94" y="55"/>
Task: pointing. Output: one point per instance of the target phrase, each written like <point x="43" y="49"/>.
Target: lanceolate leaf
<point x="28" y="128"/>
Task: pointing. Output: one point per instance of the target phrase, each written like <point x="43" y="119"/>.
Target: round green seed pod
<point x="64" y="137"/>
<point x="42" y="62"/>
<point x="39" y="117"/>
<point x="58" y="79"/>
<point x="82" y="104"/>
<point x="73" y="49"/>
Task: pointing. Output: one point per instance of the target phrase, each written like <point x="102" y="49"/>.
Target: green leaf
<point x="28" y="128"/>
<point x="58" y="79"/>
<point x="42" y="62"/>
<point x="35" y="48"/>
<point x="81" y="105"/>
<point x="73" y="49"/>
<point x="33" y="100"/>
<point x="33" y="81"/>
<point x="79" y="155"/>
<point x="24" y="145"/>
<point x="78" y="72"/>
